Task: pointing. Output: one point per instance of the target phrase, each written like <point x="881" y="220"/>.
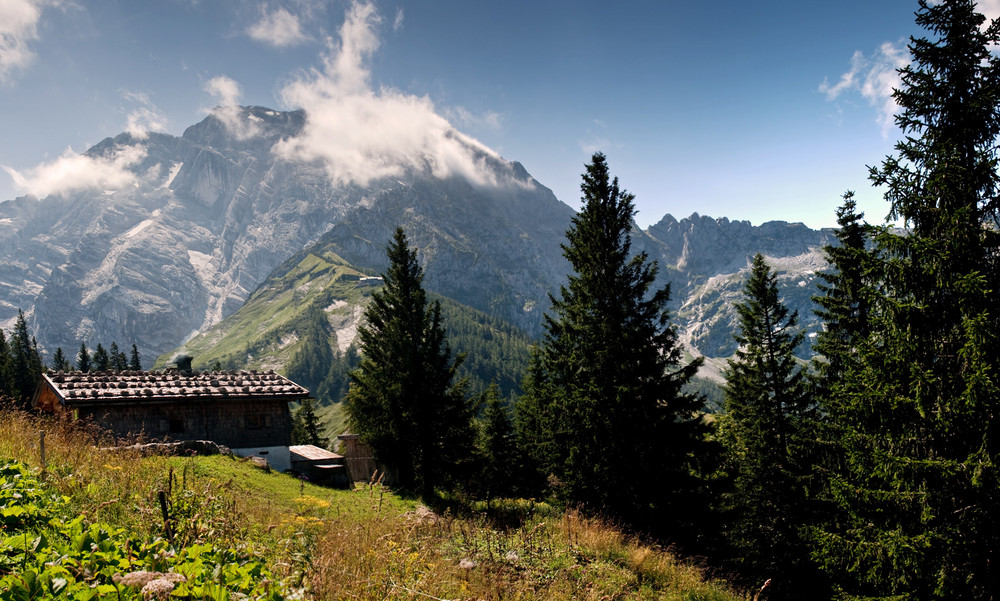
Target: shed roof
<point x="83" y="388"/>
<point x="308" y="452"/>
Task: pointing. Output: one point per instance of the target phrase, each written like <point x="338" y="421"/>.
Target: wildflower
<point x="158" y="589"/>
<point x="139" y="579"/>
<point x="466" y="564"/>
<point x="174" y="577"/>
<point x="511" y="556"/>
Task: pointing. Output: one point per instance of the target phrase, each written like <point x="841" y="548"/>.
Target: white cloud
<point x="874" y="77"/>
<point x="73" y="172"/>
<point x="486" y="119"/>
<point x="990" y="8"/>
<point x="279" y="28"/>
<point x="397" y="23"/>
<point x="597" y="139"/>
<point x="227" y="93"/>
<point x="359" y="134"/>
<point x="144" y="118"/>
<point x="18" y="27"/>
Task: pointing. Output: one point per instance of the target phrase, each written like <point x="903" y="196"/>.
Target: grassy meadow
<point x="236" y="532"/>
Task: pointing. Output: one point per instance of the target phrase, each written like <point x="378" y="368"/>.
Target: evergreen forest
<point x="869" y="473"/>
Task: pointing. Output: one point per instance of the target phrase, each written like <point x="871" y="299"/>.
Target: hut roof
<point x="308" y="452"/>
<point x="102" y="388"/>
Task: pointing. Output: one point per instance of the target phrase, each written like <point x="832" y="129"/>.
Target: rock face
<point x="706" y="261"/>
<point x="210" y="215"/>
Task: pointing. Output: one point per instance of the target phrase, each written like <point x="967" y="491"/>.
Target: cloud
<point x="874" y="77"/>
<point x="73" y="172"/>
<point x="18" y="27"/>
<point x="486" y="119"/>
<point x="359" y="134"/>
<point x="397" y="23"/>
<point x="598" y="141"/>
<point x="145" y="118"/>
<point x="279" y="29"/>
<point x="227" y="94"/>
<point x="990" y="8"/>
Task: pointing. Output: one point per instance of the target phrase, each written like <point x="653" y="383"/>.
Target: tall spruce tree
<point x="83" y="358"/>
<point x="26" y="362"/>
<point x="60" y="362"/>
<point x="118" y="360"/>
<point x="767" y="431"/>
<point x="496" y="445"/>
<point x="918" y="407"/>
<point x="403" y="400"/>
<point x="101" y="360"/>
<point x="134" y="360"/>
<point x="6" y="367"/>
<point x="306" y="428"/>
<point x="843" y="302"/>
<point x="603" y="414"/>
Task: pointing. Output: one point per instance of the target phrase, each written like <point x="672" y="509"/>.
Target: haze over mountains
<point x="181" y="230"/>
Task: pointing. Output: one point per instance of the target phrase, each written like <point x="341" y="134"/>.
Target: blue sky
<point x="748" y="110"/>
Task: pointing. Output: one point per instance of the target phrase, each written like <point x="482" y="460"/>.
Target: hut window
<point x="254" y="422"/>
<point x="176" y="425"/>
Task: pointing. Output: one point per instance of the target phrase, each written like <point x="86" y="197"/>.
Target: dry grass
<point x="567" y="556"/>
<point x="361" y="544"/>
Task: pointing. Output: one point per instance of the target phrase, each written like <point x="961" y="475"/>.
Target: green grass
<point x="264" y="332"/>
<point x="240" y="528"/>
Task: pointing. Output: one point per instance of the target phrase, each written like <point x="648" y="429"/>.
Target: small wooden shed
<point x="246" y="411"/>
<point x="319" y="465"/>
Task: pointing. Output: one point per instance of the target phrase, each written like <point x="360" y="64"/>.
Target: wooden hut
<point x="246" y="411"/>
<point x="319" y="465"/>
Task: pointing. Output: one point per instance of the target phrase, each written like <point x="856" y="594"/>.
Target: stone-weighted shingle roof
<point x="79" y="388"/>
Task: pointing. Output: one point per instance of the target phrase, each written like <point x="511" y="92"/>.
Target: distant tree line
<point x="496" y="352"/>
<point x="21" y="363"/>
<point x="872" y="472"/>
<point x="101" y="360"/>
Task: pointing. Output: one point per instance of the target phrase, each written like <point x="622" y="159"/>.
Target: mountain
<point x="706" y="261"/>
<point x="191" y="226"/>
<point x="204" y="218"/>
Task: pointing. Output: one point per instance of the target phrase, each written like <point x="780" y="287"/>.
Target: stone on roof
<point x="146" y="386"/>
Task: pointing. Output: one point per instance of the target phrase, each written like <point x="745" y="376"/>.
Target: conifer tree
<point x="135" y="362"/>
<point x="843" y="304"/>
<point x="306" y="428"/>
<point x="603" y="414"/>
<point x="6" y="367"/>
<point x="60" y="362"/>
<point x="26" y="362"/>
<point x="118" y="360"/>
<point x="83" y="358"/>
<point x="311" y="362"/>
<point x="101" y="359"/>
<point x="918" y="406"/>
<point x="767" y="433"/>
<point x="496" y="444"/>
<point x="403" y="401"/>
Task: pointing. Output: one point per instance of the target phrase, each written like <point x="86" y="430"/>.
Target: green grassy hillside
<point x="91" y="527"/>
<point x="303" y="320"/>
